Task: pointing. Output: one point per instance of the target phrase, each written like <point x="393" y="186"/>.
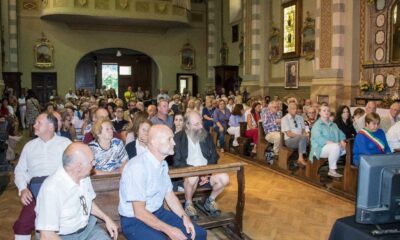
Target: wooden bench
<point x="107" y="191"/>
<point x="284" y="154"/>
<point x="350" y="174"/>
<point x="262" y="143"/>
<point x="243" y="140"/>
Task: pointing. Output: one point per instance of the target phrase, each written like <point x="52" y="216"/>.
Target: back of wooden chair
<point x="350" y="174"/>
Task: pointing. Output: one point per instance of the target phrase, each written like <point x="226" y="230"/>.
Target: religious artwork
<point x="187" y="57"/>
<point x="323" y="99"/>
<point x="291" y="27"/>
<point x="43" y="53"/>
<point x="275" y="52"/>
<point x="308" y="38"/>
<point x="292" y="74"/>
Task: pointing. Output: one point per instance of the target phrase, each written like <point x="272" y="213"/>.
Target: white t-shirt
<point x="63" y="205"/>
<point x="195" y="156"/>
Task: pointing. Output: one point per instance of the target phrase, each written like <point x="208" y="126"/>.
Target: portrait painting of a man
<point x="292" y="74"/>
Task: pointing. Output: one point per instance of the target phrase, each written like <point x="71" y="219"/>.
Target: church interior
<point x="336" y="54"/>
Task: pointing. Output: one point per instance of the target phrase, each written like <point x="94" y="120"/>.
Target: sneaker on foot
<point x="235" y="143"/>
<point x="334" y="174"/>
<point x="191" y="211"/>
<point x="212" y="207"/>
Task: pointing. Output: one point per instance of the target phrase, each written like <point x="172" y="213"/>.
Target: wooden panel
<point x="42" y="85"/>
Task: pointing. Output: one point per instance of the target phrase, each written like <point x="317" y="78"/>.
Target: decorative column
<point x="252" y="45"/>
<point x="211" y="41"/>
<point x="329" y="60"/>
<point x="13" y="35"/>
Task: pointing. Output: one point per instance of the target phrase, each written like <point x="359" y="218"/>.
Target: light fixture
<point x="119" y="54"/>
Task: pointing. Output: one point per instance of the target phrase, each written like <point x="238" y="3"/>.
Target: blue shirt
<point x="363" y="145"/>
<point x="218" y="116"/>
<point x="269" y="122"/>
<point x="322" y="132"/>
<point x="144" y="179"/>
<point x="156" y="120"/>
<point x="234" y="120"/>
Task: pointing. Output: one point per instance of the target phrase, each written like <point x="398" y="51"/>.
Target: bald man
<point x="391" y="118"/>
<point x="360" y="122"/>
<point x="144" y="186"/>
<point x="65" y="207"/>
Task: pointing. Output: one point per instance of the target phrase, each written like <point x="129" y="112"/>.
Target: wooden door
<point x="42" y="85"/>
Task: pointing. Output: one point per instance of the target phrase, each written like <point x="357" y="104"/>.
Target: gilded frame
<point x="291" y="27"/>
<point x="187" y="57"/>
<point x="43" y="52"/>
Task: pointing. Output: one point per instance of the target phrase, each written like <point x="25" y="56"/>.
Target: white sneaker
<point x="235" y="143"/>
<point x="334" y="174"/>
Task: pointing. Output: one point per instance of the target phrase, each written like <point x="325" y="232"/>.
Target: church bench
<point x="350" y="174"/>
<point x="107" y="191"/>
<point x="243" y="140"/>
<point x="262" y="143"/>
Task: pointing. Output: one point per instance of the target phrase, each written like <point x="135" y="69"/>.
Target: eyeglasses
<point x="295" y="123"/>
<point x="84" y="206"/>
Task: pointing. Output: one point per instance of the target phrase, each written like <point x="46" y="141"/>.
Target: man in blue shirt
<point x="162" y="116"/>
<point x="144" y="186"/>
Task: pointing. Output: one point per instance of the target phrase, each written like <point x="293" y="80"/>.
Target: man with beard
<point x="144" y="186"/>
<point x="195" y="147"/>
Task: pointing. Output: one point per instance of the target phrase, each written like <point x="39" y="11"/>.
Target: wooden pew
<point x="350" y="174"/>
<point x="312" y="170"/>
<point x="262" y="143"/>
<point x="243" y="140"/>
<point x="107" y="191"/>
<point x="284" y="154"/>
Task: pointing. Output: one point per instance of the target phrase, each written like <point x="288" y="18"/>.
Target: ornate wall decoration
<point x="362" y="39"/>
<point x="142" y="6"/>
<point x="187" y="57"/>
<point x="30" y="5"/>
<point x="308" y="38"/>
<point x="80" y="3"/>
<point x="123" y="4"/>
<point x="326" y="34"/>
<point x="102" y="4"/>
<point x="291" y="12"/>
<point x="60" y="3"/>
<point x="161" y="8"/>
<point x="43" y="53"/>
<point x="275" y="48"/>
<point x="44" y="3"/>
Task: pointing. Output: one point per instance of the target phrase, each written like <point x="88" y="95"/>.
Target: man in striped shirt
<point x="272" y="125"/>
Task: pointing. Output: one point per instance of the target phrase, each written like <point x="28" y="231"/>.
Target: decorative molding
<point x="81" y="3"/>
<point x="362" y="40"/>
<point x="123" y="4"/>
<point x="60" y="3"/>
<point x="247" y="38"/>
<point x="102" y="4"/>
<point x="161" y="8"/>
<point x="326" y="34"/>
<point x="30" y="5"/>
<point x="142" y="6"/>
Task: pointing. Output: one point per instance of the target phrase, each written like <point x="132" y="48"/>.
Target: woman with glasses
<point x="344" y="121"/>
<point x="327" y="141"/>
<point x="109" y="153"/>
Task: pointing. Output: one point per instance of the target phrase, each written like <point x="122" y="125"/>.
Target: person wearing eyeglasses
<point x="40" y="158"/>
<point x="293" y="127"/>
<point x="65" y="206"/>
<point x="119" y="122"/>
<point x="144" y="186"/>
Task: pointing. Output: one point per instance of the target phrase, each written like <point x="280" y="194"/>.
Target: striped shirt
<point x="269" y="122"/>
<point x="110" y="159"/>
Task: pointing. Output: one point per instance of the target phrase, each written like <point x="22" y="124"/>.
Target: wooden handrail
<point x="204" y="170"/>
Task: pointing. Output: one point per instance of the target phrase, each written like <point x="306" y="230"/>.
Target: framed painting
<point x="291" y="26"/>
<point x="43" y="53"/>
<point x="292" y="74"/>
<point x="187" y="57"/>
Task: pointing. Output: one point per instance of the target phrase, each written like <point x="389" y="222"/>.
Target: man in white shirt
<point x="360" y="122"/>
<point x="70" y="94"/>
<point x="195" y="147"/>
<point x="391" y="118"/>
<point x="292" y="125"/>
<point x="144" y="187"/>
<point x="393" y="137"/>
<point x="40" y="158"/>
<point x="65" y="207"/>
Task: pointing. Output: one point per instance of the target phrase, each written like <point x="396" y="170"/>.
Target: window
<point x="125" y="70"/>
<point x="109" y="75"/>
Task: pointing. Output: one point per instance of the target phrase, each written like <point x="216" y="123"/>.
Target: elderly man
<point x="65" y="207"/>
<point x="391" y="118"/>
<point x="40" y="158"/>
<point x="194" y="147"/>
<point x="162" y="95"/>
<point x="70" y="95"/>
<point x="272" y="126"/>
<point x="144" y="186"/>
<point x="393" y="137"/>
<point x="162" y="116"/>
<point x="360" y="122"/>
<point x="292" y="125"/>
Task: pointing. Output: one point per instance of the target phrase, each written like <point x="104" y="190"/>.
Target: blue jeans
<point x="221" y="137"/>
<point x="133" y="228"/>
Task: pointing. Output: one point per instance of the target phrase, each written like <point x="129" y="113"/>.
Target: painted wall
<point x="71" y="45"/>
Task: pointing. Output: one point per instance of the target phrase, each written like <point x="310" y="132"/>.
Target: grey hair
<point x="272" y="103"/>
<point x="67" y="159"/>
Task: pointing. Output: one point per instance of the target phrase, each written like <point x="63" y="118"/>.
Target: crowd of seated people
<point x="117" y="133"/>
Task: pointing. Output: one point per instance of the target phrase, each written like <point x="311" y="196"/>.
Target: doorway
<point x="42" y="85"/>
